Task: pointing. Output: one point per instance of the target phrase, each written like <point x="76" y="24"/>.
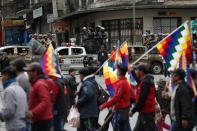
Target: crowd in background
<point x="44" y="39"/>
<point x="151" y="39"/>
<point x="93" y="39"/>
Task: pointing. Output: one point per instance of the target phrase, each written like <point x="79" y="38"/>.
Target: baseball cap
<point x="34" y="67"/>
<point x="143" y="67"/>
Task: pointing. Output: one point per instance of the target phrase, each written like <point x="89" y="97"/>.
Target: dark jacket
<point x="163" y="102"/>
<point x="61" y="104"/>
<point x="102" y="56"/>
<point x="145" y="96"/>
<point x="87" y="100"/>
<point x="183" y="104"/>
<point x="4" y="62"/>
<point x="72" y="87"/>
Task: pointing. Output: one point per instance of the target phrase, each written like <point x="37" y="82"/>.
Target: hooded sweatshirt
<point x="14" y="106"/>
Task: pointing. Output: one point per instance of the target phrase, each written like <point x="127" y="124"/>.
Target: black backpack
<point x="102" y="95"/>
<point x="62" y="102"/>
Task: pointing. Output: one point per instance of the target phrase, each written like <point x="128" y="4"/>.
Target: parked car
<point x="154" y="59"/>
<point x="14" y="52"/>
<point x="74" y="57"/>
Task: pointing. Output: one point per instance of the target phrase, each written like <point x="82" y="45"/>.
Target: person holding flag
<point x="120" y="101"/>
<point x="145" y="101"/>
<point x="60" y="98"/>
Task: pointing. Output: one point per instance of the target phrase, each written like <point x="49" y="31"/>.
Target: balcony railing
<point x="90" y="4"/>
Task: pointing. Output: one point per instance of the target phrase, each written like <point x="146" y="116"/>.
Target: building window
<point x="83" y="3"/>
<point x="165" y="24"/>
<point x="122" y="29"/>
<point x="193" y="18"/>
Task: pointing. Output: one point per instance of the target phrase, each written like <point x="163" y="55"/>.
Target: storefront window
<point x="14" y="35"/>
<point x="165" y="24"/>
<point x="122" y="29"/>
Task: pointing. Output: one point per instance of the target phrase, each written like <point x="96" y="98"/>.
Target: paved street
<point x="100" y="80"/>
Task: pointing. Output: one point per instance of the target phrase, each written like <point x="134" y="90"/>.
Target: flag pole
<point x="158" y="44"/>
<point x="191" y="35"/>
<point x="108" y="59"/>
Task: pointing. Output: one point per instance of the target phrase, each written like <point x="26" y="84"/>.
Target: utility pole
<point x="30" y="4"/>
<point x="2" y="22"/>
<point x="134" y="21"/>
<point x="55" y="13"/>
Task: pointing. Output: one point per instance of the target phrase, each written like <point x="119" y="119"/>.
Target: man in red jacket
<point x="40" y="106"/>
<point x="120" y="101"/>
<point x="145" y="100"/>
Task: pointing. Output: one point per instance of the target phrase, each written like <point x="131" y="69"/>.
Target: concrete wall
<point x="146" y="14"/>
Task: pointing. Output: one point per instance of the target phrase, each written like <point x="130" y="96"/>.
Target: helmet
<point x="84" y="28"/>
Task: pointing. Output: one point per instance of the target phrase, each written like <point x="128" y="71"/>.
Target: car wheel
<point x="156" y="68"/>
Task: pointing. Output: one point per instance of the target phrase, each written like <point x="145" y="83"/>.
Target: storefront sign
<point x="37" y="13"/>
<point x="60" y="27"/>
<point x="194" y="26"/>
<point x="50" y="18"/>
<point x="13" y="22"/>
<point x="171" y="13"/>
<point x="167" y="13"/>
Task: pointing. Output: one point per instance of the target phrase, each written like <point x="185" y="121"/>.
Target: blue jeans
<point x="101" y="71"/>
<point x="196" y="122"/>
<point x="174" y="127"/>
<point x="119" y="124"/>
<point x="23" y="129"/>
<point x="44" y="125"/>
<point x="28" y="125"/>
<point x="58" y="122"/>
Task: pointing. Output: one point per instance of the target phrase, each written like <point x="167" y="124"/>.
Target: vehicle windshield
<point x="139" y="50"/>
<point x="154" y="51"/>
<point x="77" y="51"/>
<point x="63" y="51"/>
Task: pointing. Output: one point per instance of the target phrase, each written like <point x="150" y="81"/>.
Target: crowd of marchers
<point x="34" y="101"/>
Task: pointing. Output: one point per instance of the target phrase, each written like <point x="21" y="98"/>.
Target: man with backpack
<point x="72" y="85"/>
<point x="60" y="104"/>
<point x="40" y="101"/>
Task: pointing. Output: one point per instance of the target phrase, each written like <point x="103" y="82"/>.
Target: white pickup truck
<point x="74" y="57"/>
